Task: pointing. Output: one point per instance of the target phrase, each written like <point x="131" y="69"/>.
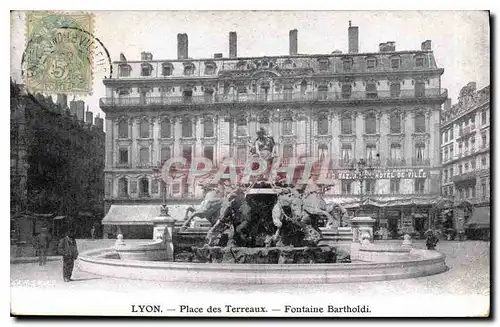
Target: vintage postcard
<point x="250" y="164"/>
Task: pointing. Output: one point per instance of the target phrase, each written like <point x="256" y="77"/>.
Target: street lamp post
<point x="360" y="170"/>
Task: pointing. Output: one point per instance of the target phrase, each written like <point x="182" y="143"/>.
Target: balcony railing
<point x="468" y="176"/>
<point x="396" y="162"/>
<point x="272" y="97"/>
<point x="420" y="162"/>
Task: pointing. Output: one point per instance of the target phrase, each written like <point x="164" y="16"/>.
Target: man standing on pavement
<point x="69" y="251"/>
<point x="92" y="232"/>
<point x="43" y="246"/>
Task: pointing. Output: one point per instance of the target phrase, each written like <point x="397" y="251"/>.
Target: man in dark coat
<point x="69" y="251"/>
<point x="43" y="246"/>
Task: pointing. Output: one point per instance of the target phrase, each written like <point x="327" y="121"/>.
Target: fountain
<point x="262" y="232"/>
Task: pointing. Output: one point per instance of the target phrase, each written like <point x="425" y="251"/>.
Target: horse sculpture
<point x="208" y="209"/>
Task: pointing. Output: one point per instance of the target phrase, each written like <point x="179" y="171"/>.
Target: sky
<point x="460" y="39"/>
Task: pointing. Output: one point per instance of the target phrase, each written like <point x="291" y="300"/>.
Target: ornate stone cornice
<point x="347" y="137"/>
<point x="396" y="137"/>
<point x="188" y="140"/>
<point x="209" y="140"/>
<point x="420" y="137"/>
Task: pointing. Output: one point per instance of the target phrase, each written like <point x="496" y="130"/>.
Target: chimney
<point x="426" y="45"/>
<point x="447" y="105"/>
<point x="388" y="46"/>
<point x="182" y="46"/>
<point x="89" y="116"/>
<point x="293" y="42"/>
<point x="217" y="55"/>
<point x="353" y="32"/>
<point x="233" y="45"/>
<point x="62" y="101"/>
<point x="146" y="55"/>
<point x="99" y="122"/>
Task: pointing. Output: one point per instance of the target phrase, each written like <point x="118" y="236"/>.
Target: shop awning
<point x="141" y="214"/>
<point x="388" y="201"/>
<point x="480" y="218"/>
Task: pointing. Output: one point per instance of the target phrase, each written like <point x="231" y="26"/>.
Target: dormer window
<point x="371" y="63"/>
<point x="146" y="69"/>
<point x="188" y="69"/>
<point x="323" y="64"/>
<point x="419" y="62"/>
<point x="210" y="68"/>
<point x="124" y="70"/>
<point x="395" y="63"/>
<point x="347" y="64"/>
<point x="167" y="69"/>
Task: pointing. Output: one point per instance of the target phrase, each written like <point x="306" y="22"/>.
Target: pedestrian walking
<point x="92" y="232"/>
<point x="43" y="242"/>
<point x="68" y="249"/>
<point x="36" y="246"/>
<point x="431" y="240"/>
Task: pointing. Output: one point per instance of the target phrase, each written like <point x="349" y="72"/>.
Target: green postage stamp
<point x="58" y="57"/>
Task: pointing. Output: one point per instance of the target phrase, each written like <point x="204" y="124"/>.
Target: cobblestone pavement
<point x="469" y="274"/>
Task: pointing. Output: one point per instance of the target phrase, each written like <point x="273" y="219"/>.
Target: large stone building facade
<point x="465" y="151"/>
<point x="383" y="107"/>
<point x="56" y="166"/>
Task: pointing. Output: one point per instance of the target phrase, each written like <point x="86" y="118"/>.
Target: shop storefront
<point x="396" y="216"/>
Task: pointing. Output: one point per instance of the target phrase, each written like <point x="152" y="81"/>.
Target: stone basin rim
<point x="88" y="256"/>
<point x="427" y="263"/>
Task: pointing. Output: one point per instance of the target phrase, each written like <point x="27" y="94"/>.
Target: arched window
<point x="210" y="68"/>
<point x="144" y="128"/>
<point x="146" y="69"/>
<point x="167" y="69"/>
<point x="287" y="127"/>
<point x="165" y="154"/>
<point x="122" y="187"/>
<point x="187" y="127"/>
<point x="241" y="127"/>
<point x="395" y="122"/>
<point x="123" y="129"/>
<point x="144" y="187"/>
<point x="208" y="127"/>
<point x="322" y="151"/>
<point x="371" y="90"/>
<point x="322" y="124"/>
<point x="166" y="129"/>
<point x="144" y="156"/>
<point x="303" y="87"/>
<point x="188" y="69"/>
<point x="420" y="153"/>
<point x="264" y="121"/>
<point x="322" y="92"/>
<point x="346" y="124"/>
<point x="346" y="91"/>
<point x="419" y="122"/>
<point x="370" y="123"/>
<point x="395" y="90"/>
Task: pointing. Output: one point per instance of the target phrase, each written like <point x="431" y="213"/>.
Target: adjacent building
<point x="465" y="153"/>
<point x="382" y="106"/>
<point x="57" y="166"/>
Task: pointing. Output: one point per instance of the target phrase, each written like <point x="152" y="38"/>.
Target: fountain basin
<point x="417" y="263"/>
<point x="148" y="251"/>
